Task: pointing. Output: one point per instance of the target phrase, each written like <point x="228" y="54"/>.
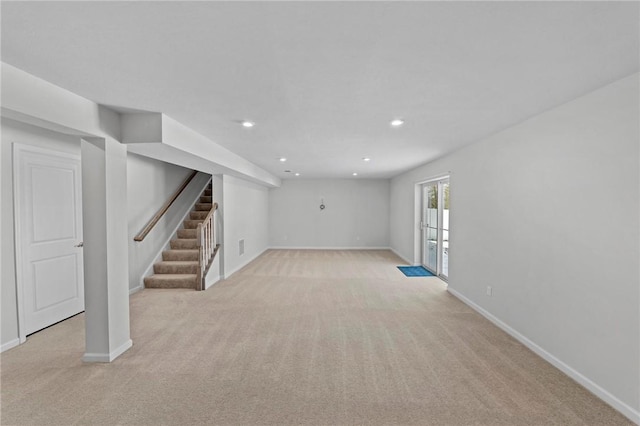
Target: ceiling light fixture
<point x="355" y="174"/>
<point x="297" y="174"/>
<point x="367" y="159"/>
<point x="397" y="122"/>
<point x="248" y="124"/>
<point x="282" y="159"/>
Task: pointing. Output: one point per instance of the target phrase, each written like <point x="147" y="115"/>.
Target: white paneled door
<point x="47" y="188"/>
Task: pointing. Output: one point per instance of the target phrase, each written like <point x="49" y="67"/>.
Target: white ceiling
<point x="323" y="80"/>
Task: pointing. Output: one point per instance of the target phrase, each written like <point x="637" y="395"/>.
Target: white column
<point x="104" y="210"/>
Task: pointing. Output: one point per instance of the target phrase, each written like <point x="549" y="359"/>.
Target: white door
<point x="48" y="204"/>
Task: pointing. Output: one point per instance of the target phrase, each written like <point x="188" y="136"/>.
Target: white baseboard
<point x="108" y="357"/>
<point x="606" y="396"/>
<point x="10" y="344"/>
<point x="214" y="282"/>
<point x="245" y="263"/>
<point x="326" y="248"/>
<point x="410" y="262"/>
<point x="135" y="289"/>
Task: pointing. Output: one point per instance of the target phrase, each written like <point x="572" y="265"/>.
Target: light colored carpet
<point x="298" y="337"/>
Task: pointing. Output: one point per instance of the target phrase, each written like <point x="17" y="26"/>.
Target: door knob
<point x="81" y="244"/>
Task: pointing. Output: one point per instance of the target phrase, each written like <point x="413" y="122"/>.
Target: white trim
<point x="418" y="233"/>
<point x="326" y="248"/>
<point x="10" y="344"/>
<point x="606" y="396"/>
<point x="215" y="281"/>
<point x="108" y="357"/>
<point x="401" y="256"/>
<point x="22" y="335"/>
<point x="417" y="219"/>
<point x="18" y="149"/>
<point x="441" y="176"/>
<point x="135" y="289"/>
<point x="237" y="268"/>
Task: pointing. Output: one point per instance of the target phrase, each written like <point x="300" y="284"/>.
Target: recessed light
<point x="297" y="174"/>
<point x="366" y="159"/>
<point x="282" y="159"/>
<point x="248" y="124"/>
<point x="397" y="122"/>
<point x="355" y="174"/>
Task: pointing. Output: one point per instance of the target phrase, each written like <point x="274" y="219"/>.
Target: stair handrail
<point x="207" y="245"/>
<point x="156" y="218"/>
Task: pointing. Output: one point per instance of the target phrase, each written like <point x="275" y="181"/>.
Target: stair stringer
<point x="199" y="183"/>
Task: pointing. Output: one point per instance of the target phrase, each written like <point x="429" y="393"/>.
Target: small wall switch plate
<point x="489" y="290"/>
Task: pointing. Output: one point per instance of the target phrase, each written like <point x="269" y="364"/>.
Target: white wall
<point x="16" y="132"/>
<point x="356" y="213"/>
<point x="1" y="258"/>
<point x="245" y="208"/>
<point x="525" y="219"/>
<point x="149" y="184"/>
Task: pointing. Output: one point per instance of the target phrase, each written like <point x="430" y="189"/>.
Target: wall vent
<point x="241" y="247"/>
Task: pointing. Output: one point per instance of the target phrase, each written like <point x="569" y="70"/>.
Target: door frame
<point x="426" y="227"/>
<point x="17" y="151"/>
<point x="418" y="212"/>
<point x="440" y="245"/>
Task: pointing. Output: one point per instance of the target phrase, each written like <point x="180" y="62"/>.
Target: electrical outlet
<point x="489" y="290"/>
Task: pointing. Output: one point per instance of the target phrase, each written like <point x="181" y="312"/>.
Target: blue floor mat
<point x="415" y="271"/>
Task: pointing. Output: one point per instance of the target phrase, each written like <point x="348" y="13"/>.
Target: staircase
<point x="179" y="265"/>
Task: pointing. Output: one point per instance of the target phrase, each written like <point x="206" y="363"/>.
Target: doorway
<point x="48" y="222"/>
<point x="434" y="225"/>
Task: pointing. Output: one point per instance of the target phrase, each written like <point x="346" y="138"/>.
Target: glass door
<point x="430" y="227"/>
<point x="435" y="227"/>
